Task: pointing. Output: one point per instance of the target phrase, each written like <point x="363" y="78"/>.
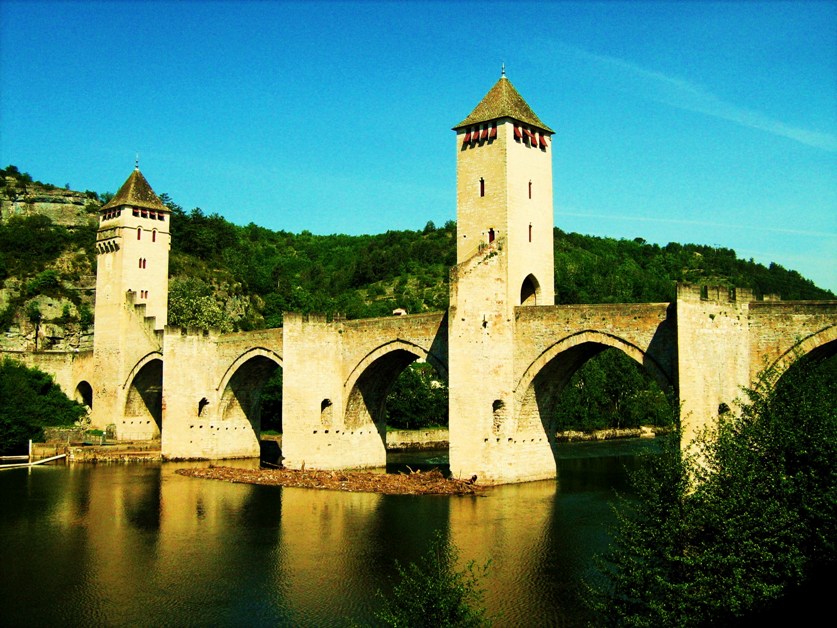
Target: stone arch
<point x="143" y="416"/>
<point x="389" y="347"/>
<point x="819" y="345"/>
<point x="530" y="291"/>
<point x="149" y="357"/>
<point x="370" y="381"/>
<point x="84" y="393"/>
<point x="591" y="337"/>
<point x="540" y="386"/>
<point x="241" y="387"/>
<point x="244" y="357"/>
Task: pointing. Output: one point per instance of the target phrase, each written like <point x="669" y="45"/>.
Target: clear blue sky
<point x="689" y="122"/>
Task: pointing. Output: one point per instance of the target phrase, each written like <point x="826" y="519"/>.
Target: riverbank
<point x="416" y="483"/>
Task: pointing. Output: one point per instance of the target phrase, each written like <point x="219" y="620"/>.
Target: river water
<point x="138" y="544"/>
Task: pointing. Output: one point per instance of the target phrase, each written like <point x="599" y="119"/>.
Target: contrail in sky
<point x="683" y="94"/>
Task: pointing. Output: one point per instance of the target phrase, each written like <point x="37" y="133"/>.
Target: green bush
<point x="746" y="528"/>
<point x="29" y="401"/>
<point x="418" y="399"/>
<point x="432" y="592"/>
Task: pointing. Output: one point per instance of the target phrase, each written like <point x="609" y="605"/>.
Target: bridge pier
<point x="315" y="431"/>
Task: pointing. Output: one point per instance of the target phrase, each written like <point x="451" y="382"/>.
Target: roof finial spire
<point x="136" y="162"/>
<point x="503" y="70"/>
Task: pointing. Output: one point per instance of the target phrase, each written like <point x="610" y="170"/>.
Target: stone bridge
<point x="336" y="375"/>
<point x="506" y="352"/>
<point x="200" y="392"/>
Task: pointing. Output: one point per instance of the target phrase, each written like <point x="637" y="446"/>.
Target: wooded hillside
<point x="244" y="277"/>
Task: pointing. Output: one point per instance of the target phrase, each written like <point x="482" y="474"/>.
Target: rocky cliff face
<point x="64" y="207"/>
<point x="39" y="310"/>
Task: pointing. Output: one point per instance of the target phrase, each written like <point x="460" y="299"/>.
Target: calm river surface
<point x="140" y="545"/>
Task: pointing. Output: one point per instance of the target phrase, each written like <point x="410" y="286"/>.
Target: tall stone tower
<point x="132" y="281"/>
<point x="504" y="192"/>
<point x="505" y="260"/>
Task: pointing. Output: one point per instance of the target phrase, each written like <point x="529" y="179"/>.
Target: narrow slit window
<point x="154" y="233"/>
<point x="491" y="236"/>
<point x="530" y="189"/>
<point x="139" y="233"/>
<point x="482" y="186"/>
<point x="530" y="232"/>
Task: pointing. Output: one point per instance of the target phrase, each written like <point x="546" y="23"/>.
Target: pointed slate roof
<point x="137" y="193"/>
<point x="503" y="101"/>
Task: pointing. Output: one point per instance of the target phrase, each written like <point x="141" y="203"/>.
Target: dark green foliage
<point x="46" y="282"/>
<point x="735" y="533"/>
<point x="27" y="244"/>
<point x="605" y="270"/>
<point x="355" y="276"/>
<point x="370" y="275"/>
<point x="29" y="401"/>
<point x="271" y="403"/>
<point x="85" y="316"/>
<point x="434" y="593"/>
<point x="418" y="399"/>
<point x="644" y="578"/>
<point x="193" y="303"/>
<point x="611" y="391"/>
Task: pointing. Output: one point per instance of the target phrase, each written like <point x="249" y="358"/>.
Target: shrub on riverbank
<point x="29" y="401"/>
<point x="433" y="592"/>
<point x="743" y="528"/>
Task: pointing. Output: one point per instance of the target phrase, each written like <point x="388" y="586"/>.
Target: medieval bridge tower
<point x="504" y="260"/>
<point x="132" y="284"/>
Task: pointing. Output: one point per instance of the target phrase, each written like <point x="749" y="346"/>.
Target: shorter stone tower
<point x="133" y="251"/>
<point x="132" y="282"/>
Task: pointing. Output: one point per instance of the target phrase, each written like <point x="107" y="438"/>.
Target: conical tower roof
<point x="137" y="193"/>
<point x="503" y="101"/>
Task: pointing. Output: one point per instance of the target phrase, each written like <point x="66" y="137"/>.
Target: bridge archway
<point x="84" y="393"/>
<point x="541" y="385"/>
<point x="241" y="388"/>
<point x="371" y="380"/>
<point x="144" y="400"/>
<point x="818" y="346"/>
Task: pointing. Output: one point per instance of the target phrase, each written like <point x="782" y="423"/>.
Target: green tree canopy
<point x="29" y="401"/>
<point x="434" y="591"/>
<point x="743" y="527"/>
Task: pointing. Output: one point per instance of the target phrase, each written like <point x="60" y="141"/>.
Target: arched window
<point x="140" y="263"/>
<point x="491" y="236"/>
<point x="154" y="233"/>
<point x="139" y="233"/>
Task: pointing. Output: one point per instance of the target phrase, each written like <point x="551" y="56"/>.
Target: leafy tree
<point x="432" y="592"/>
<point x="271" y="403"/>
<point x="192" y="303"/>
<point x="746" y="528"/>
<point x="611" y="391"/>
<point x="417" y="399"/>
<point x="29" y="401"/>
